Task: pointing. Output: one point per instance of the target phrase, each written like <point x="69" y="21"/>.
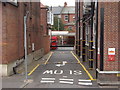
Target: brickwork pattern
<point x="71" y="19"/>
<point x="13" y="30"/>
<point x="0" y="32"/>
<point x="44" y="32"/>
<point x="119" y="38"/>
<point x="44" y="20"/>
<point x="110" y="33"/>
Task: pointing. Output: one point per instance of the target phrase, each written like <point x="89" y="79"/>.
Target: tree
<point x="55" y="26"/>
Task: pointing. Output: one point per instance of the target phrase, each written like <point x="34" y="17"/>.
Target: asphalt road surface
<point x="62" y="70"/>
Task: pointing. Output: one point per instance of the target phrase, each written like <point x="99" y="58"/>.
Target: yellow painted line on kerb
<point x="39" y="65"/>
<point x="90" y="76"/>
<point x="34" y="69"/>
<point x="48" y="58"/>
<point x="118" y="75"/>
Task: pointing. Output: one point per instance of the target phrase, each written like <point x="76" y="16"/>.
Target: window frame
<point x="70" y="27"/>
<point x="66" y="17"/>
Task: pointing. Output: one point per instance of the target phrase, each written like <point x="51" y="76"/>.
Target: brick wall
<point x="11" y="33"/>
<point x="70" y="18"/>
<point x="111" y="40"/>
<point x="46" y="44"/>
<point x="34" y="31"/>
<point x="44" y="32"/>
<point x="44" y="20"/>
<point x="13" y="30"/>
<point x="0" y="32"/>
<point x="110" y="33"/>
<point x="119" y="38"/>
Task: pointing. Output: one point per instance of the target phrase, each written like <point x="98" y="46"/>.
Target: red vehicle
<point x="54" y="42"/>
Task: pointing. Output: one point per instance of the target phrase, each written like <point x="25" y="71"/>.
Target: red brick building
<point x="44" y="28"/>
<point x="97" y="38"/>
<point x="67" y="16"/>
<point x="108" y="41"/>
<point x="12" y="32"/>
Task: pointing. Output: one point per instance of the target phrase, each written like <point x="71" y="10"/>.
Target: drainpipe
<point x="79" y="28"/>
<point x="96" y="39"/>
<point x="76" y="18"/>
<point x="25" y="43"/>
<point x="102" y="39"/>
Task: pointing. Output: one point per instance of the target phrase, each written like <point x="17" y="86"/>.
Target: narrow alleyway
<point x="63" y="70"/>
<point x="60" y="69"/>
<point x="63" y="46"/>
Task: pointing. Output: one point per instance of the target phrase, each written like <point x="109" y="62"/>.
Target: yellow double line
<point x="39" y="65"/>
<point x="34" y="69"/>
<point x="118" y="75"/>
<point x="48" y="58"/>
<point x="90" y="76"/>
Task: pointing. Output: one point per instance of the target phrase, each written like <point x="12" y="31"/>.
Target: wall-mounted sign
<point x="14" y="2"/>
<point x="111" y="54"/>
<point x="111" y="51"/>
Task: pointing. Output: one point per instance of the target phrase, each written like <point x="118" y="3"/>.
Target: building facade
<point x="44" y="28"/>
<point x="12" y="32"/>
<point x="64" y="20"/>
<point x="97" y="38"/>
<point x="67" y="15"/>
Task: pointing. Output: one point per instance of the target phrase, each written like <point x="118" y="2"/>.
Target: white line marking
<point x="84" y="83"/>
<point x="66" y="82"/>
<point x="48" y="78"/>
<point x="84" y="80"/>
<point x="66" y="79"/>
<point x="65" y="76"/>
<point x="47" y="81"/>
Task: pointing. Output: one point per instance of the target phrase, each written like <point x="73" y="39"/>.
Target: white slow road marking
<point x="65" y="76"/>
<point x="84" y="83"/>
<point x="66" y="79"/>
<point x="66" y="82"/>
<point x="63" y="64"/>
<point x="47" y="81"/>
<point x="48" y="78"/>
<point x="84" y="80"/>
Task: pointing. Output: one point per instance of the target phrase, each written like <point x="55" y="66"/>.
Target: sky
<point x="58" y="2"/>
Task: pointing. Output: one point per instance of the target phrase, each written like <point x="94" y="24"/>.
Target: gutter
<point x="107" y="72"/>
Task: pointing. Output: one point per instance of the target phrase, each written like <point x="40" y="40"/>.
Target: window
<point x="70" y="27"/>
<point x="66" y="17"/>
<point x="48" y="17"/>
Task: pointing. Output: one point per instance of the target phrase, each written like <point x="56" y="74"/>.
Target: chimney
<point x="65" y="4"/>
